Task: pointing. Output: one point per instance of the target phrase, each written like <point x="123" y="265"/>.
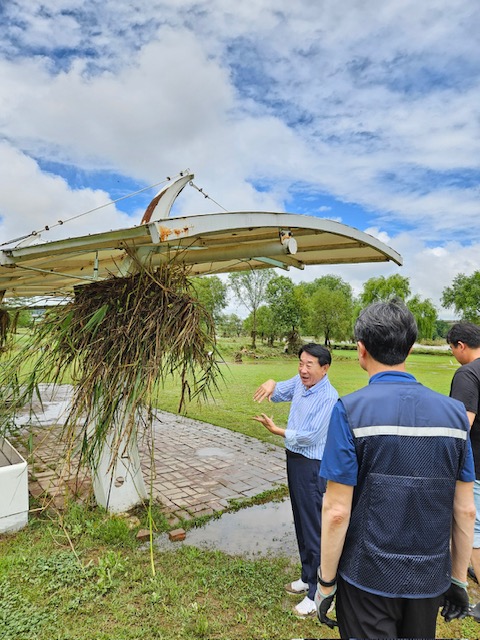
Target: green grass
<point x="84" y="576"/>
<point x="61" y="580"/>
<point x="233" y="406"/>
<point x="108" y="591"/>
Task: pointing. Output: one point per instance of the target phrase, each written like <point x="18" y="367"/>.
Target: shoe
<point x="296" y="588"/>
<point x="305" y="609"/>
<point x="471" y="574"/>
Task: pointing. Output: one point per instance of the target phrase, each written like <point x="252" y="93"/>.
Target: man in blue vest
<point x="399" y="467"/>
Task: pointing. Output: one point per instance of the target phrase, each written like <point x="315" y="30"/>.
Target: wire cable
<point x="102" y="206"/>
<point x="205" y="195"/>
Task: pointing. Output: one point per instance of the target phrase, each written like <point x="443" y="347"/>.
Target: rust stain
<point x="165" y="232"/>
<point x="151" y="208"/>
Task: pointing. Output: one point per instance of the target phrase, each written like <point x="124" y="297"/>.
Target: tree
<point x="249" y="288"/>
<point x="425" y="315"/>
<point x="332" y="282"/>
<point x="464" y="296"/>
<point x="331" y="314"/>
<point x="328" y="315"/>
<point x="382" y="289"/>
<point x="303" y="295"/>
<point x="212" y="293"/>
<point x="441" y="329"/>
<point x="286" y="313"/>
<point x="265" y="324"/>
<point x="230" y="325"/>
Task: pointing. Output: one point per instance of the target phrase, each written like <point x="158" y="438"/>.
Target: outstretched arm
<point x="269" y="424"/>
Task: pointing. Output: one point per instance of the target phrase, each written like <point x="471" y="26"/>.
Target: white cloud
<point x="32" y="200"/>
<point x="379" y="234"/>
<point x="373" y="104"/>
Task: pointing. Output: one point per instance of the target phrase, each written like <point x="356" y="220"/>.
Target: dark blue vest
<point x="411" y="445"/>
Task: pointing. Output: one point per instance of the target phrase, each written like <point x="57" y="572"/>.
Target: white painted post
<point x="119" y="485"/>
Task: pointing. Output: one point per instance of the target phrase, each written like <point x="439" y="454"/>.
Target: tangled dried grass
<point x="118" y="339"/>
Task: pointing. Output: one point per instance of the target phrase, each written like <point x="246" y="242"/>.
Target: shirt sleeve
<point x="284" y="390"/>
<point x="466" y="389"/>
<point x="307" y="427"/>
<point x="339" y="462"/>
<point x="467" y="473"/>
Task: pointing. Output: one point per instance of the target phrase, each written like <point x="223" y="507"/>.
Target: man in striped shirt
<point x="312" y="399"/>
<point x="398" y="511"/>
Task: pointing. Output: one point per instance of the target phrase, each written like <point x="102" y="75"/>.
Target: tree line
<point x="324" y="308"/>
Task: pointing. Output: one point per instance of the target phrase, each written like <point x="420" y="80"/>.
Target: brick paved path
<point x="197" y="467"/>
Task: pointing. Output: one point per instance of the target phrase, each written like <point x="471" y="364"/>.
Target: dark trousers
<point x="365" y="615"/>
<point x="306" y="494"/>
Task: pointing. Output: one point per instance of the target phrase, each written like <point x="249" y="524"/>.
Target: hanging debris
<point x="117" y="340"/>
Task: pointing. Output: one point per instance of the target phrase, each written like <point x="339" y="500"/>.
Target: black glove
<point x="455" y="601"/>
<point x="323" y="604"/>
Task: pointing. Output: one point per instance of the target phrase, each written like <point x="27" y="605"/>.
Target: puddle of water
<point x="261" y="530"/>
<point x="49" y="413"/>
<point x="52" y="410"/>
<point x="213" y="452"/>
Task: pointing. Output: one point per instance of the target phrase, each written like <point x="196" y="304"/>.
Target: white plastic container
<point x="13" y="488"/>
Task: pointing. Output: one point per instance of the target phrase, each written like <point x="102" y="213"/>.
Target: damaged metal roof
<point x="208" y="244"/>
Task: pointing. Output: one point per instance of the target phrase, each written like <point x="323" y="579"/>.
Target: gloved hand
<point x="455" y="601"/>
<point x="323" y="604"/>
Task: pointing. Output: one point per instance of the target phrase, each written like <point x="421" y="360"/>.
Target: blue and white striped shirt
<point x="309" y="416"/>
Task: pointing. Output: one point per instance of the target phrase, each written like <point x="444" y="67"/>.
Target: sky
<point x="366" y="112"/>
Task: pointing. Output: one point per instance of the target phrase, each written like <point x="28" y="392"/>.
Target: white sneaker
<point x="305" y="609"/>
<point x="296" y="588"/>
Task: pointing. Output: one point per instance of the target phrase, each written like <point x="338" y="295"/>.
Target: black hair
<point x="388" y="330"/>
<point x="322" y="354"/>
<point x="465" y="332"/>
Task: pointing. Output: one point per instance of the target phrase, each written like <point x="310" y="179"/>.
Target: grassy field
<point x="233" y="407"/>
<point x="82" y="575"/>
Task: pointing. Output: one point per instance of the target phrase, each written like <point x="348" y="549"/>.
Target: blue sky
<point x="363" y="112"/>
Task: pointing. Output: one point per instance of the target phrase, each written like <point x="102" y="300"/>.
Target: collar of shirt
<point x="316" y="387"/>
<point x="392" y="376"/>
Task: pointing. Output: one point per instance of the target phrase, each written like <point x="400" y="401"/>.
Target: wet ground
<point x="218" y="463"/>
<point x="195" y="468"/>
<point x="258" y="531"/>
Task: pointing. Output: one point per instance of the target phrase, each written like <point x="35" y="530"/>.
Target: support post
<point x="118" y="484"/>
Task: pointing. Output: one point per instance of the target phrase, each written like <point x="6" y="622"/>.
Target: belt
<point x="294" y="454"/>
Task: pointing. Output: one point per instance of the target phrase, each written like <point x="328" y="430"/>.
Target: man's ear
<point x="361" y="349"/>
<point x="362" y="354"/>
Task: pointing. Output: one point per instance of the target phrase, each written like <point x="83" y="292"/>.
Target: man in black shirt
<point x="464" y="341"/>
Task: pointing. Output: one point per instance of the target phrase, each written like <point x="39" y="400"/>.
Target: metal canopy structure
<point x="208" y="244"/>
